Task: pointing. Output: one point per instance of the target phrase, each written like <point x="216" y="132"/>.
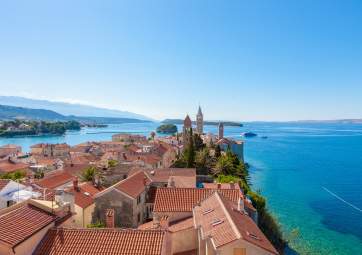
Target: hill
<point x="68" y="109"/>
<point x="11" y="112"/>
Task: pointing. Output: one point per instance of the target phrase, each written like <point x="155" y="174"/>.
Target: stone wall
<point x="122" y="205"/>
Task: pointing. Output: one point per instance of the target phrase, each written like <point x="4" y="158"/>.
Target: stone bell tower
<point x="200" y="122"/>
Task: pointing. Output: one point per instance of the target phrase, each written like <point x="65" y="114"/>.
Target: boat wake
<point x="341" y="199"/>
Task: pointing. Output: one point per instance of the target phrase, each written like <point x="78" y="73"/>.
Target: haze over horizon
<point x="240" y="60"/>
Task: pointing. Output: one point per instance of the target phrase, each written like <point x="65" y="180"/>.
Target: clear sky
<point x="241" y="60"/>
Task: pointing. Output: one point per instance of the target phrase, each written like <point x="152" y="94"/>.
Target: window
<point x="207" y="211"/>
<point x="138" y="217"/>
<point x="253" y="236"/>
<point x="216" y="222"/>
<point x="138" y="199"/>
<point x="239" y="251"/>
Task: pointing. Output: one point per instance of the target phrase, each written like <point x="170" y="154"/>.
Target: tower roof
<point x="199" y="112"/>
<point x="187" y="121"/>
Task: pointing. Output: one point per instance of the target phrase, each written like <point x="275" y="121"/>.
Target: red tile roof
<point x="223" y="223"/>
<point x="174" y="227"/>
<point x="102" y="242"/>
<point x="221" y="186"/>
<point x="8" y="167"/>
<point x="163" y="174"/>
<point x="134" y="185"/>
<point x="75" y="169"/>
<point x="55" y="180"/>
<point x="3" y="183"/>
<point x="84" y="196"/>
<point x="184" y="199"/>
<point x="181" y="225"/>
<point x="247" y="203"/>
<point x="23" y="222"/>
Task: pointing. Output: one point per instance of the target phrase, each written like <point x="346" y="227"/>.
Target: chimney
<point x="145" y="181"/>
<point x="75" y="184"/>
<point x="171" y="182"/>
<point x="110" y="218"/>
<point x="241" y="204"/>
<point x="164" y="223"/>
<point x="219" y="186"/>
<point x="97" y="181"/>
<point x="232" y="185"/>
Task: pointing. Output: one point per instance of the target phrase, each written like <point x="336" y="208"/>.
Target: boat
<point x="249" y="134"/>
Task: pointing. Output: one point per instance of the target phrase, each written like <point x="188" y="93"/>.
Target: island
<point x="167" y="129"/>
<point x="27" y="127"/>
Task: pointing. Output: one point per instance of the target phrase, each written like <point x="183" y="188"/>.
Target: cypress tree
<point x="190" y="157"/>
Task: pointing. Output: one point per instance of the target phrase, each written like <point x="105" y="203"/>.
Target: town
<point x="185" y="193"/>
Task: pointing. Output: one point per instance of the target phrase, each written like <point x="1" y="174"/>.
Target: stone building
<point x="51" y="150"/>
<point x="9" y="149"/>
<point x="128" y="200"/>
<point x="186" y="129"/>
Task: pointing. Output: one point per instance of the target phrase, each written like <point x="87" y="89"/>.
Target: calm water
<point x="311" y="175"/>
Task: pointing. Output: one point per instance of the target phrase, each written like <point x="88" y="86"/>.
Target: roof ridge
<point x="121" y="181"/>
<point x="108" y="229"/>
<point x="221" y="198"/>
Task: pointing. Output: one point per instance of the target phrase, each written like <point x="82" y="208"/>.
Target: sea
<point x="310" y="174"/>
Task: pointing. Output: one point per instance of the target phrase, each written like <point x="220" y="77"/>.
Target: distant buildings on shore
<point x="236" y="147"/>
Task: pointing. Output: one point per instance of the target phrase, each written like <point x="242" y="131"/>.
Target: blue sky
<point x="241" y="60"/>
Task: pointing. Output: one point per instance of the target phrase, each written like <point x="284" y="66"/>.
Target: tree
<point x="189" y="153"/>
<point x="217" y="151"/>
<point x="225" y="166"/>
<point x="199" y="143"/>
<point x="153" y="134"/>
<point x="89" y="173"/>
<point x="112" y="163"/>
<point x="17" y="175"/>
<point x="97" y="224"/>
<point x="227" y="179"/>
<point x="203" y="161"/>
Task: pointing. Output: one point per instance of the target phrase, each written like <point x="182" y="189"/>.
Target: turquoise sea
<point x="310" y="173"/>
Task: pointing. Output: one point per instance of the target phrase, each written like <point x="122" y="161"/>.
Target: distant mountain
<point x="206" y="122"/>
<point x="12" y="112"/>
<point x="68" y="109"/>
<point x="340" y="121"/>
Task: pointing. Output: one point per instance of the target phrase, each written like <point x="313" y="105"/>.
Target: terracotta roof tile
<point x="3" y="183"/>
<point x="181" y="225"/>
<point x="8" y="167"/>
<point x="23" y="222"/>
<point x="220" y="220"/>
<point x="134" y="185"/>
<point x="163" y="174"/>
<point x="84" y="196"/>
<point x="184" y="199"/>
<point x="221" y="186"/>
<point x="101" y="242"/>
<point x="55" y="180"/>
